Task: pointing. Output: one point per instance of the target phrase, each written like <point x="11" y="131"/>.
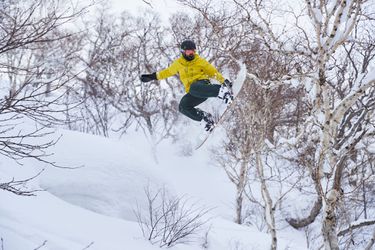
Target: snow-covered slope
<point x="92" y="205"/>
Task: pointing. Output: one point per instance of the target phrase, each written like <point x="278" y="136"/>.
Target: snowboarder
<point x="195" y="73"/>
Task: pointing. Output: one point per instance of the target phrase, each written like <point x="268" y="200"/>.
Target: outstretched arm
<point x="170" y="71"/>
<point x="165" y="73"/>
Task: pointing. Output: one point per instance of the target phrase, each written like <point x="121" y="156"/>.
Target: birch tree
<point x="331" y="43"/>
<point x="339" y="119"/>
<point x="334" y="112"/>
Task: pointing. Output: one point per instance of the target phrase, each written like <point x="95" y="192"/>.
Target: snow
<point x="92" y="205"/>
<point x="26" y="222"/>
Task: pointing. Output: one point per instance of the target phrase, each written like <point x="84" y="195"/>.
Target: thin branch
<point x="13" y="186"/>
<point x="354" y="226"/>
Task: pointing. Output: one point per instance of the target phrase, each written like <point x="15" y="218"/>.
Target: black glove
<point x="148" y="77"/>
<point x="228" y="83"/>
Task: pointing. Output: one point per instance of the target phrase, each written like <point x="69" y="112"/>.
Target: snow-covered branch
<point x="367" y="83"/>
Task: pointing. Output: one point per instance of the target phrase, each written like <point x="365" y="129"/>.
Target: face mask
<point x="188" y="57"/>
<point x="188" y="54"/>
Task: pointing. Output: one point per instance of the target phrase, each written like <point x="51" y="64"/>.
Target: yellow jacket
<point x="190" y="71"/>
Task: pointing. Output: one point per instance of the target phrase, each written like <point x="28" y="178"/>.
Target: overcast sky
<point x="164" y="7"/>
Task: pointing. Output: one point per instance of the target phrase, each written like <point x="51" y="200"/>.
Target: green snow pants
<point x="199" y="92"/>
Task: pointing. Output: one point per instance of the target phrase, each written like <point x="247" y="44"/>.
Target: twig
<point x="148" y="3"/>
<point x="88" y="246"/>
<point x="12" y="186"/>
<point x="39" y="247"/>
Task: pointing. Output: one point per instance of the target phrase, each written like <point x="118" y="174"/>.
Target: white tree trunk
<point x="241" y="184"/>
<point x="330" y="221"/>
<point x="269" y="212"/>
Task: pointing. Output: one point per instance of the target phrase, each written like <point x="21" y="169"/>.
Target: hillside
<point x="91" y="207"/>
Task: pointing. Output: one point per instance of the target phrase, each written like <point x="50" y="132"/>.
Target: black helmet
<point x="187" y="44"/>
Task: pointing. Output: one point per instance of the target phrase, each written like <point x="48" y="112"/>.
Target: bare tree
<point x="170" y="220"/>
<point x="119" y="49"/>
<point x="34" y="73"/>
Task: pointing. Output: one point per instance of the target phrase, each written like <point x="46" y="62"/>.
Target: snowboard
<point x="237" y="87"/>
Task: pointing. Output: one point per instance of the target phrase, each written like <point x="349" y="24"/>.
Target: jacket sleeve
<point x="170" y="71"/>
<point x="213" y="72"/>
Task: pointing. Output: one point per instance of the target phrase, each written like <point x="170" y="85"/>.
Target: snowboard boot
<point x="226" y="92"/>
<point x="207" y="117"/>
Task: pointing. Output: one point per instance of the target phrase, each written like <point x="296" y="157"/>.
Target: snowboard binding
<point x="207" y="117"/>
<point x="226" y="92"/>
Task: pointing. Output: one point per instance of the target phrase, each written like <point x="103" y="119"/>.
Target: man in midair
<point x="195" y="73"/>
